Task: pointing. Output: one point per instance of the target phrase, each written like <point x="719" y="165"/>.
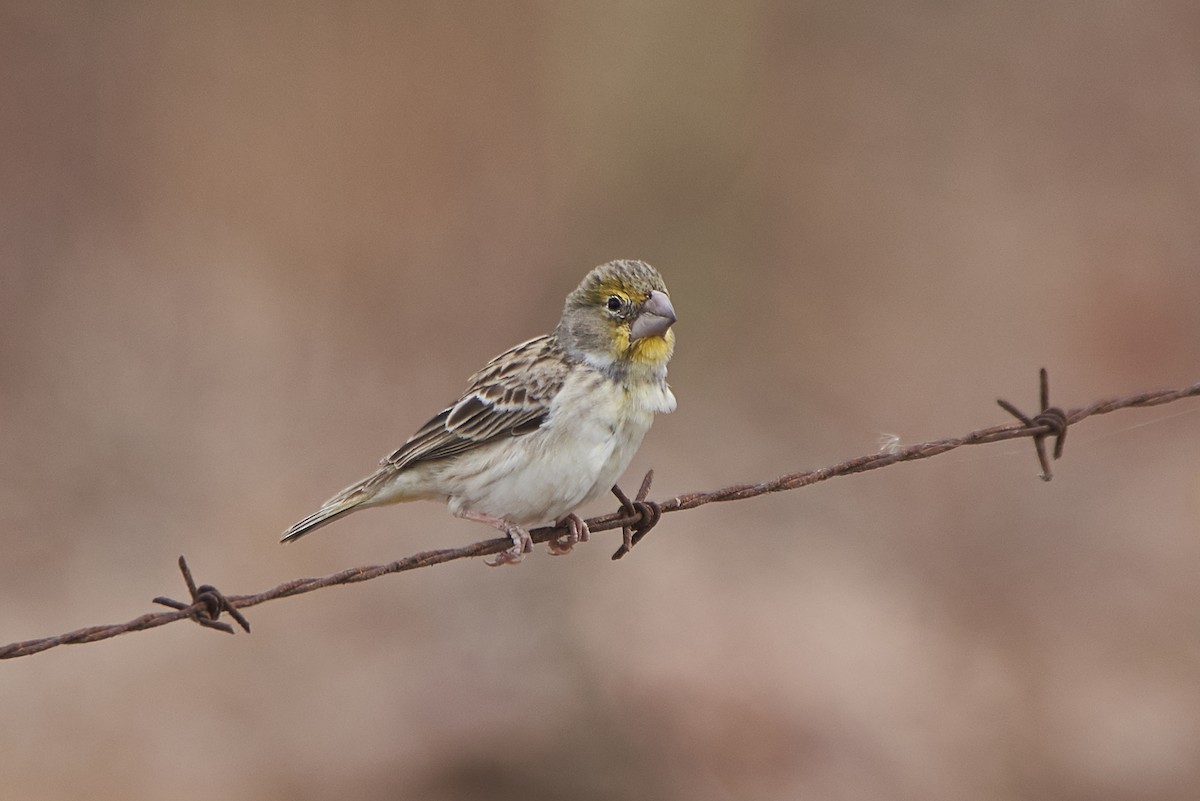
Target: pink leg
<point x="522" y="544"/>
<point x="577" y="532"/>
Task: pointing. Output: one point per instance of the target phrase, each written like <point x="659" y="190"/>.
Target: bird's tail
<point x="326" y="514"/>
<point x="348" y="500"/>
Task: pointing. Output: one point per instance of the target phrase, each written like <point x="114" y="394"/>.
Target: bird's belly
<point x="538" y="478"/>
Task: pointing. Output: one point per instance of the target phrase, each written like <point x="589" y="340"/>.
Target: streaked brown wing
<point x="510" y="396"/>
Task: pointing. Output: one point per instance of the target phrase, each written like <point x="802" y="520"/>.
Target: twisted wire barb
<point x="1052" y="417"/>
<point x="634" y="519"/>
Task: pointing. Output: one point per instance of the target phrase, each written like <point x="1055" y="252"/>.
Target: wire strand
<point x="201" y="609"/>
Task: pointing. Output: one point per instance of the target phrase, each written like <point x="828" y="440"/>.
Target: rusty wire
<point x="635" y="518"/>
<point x="1052" y="418"/>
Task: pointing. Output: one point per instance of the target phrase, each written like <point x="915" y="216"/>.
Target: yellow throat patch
<point x="647" y="351"/>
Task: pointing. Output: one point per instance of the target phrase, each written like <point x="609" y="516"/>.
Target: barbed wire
<point x="635" y="518"/>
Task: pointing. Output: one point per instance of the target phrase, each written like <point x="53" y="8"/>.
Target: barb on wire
<point x="634" y="518"/>
<point x="207" y="604"/>
<point x="1050" y="421"/>
<point x="645" y="513"/>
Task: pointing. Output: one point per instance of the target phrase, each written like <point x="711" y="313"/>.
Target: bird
<point x="543" y="428"/>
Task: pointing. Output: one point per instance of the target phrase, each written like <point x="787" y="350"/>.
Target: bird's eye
<point x="614" y="303"/>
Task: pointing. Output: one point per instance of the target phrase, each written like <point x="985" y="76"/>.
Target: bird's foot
<point x="577" y="531"/>
<point x="522" y="544"/>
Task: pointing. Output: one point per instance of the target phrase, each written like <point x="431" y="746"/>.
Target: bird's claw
<point x="522" y="544"/>
<point x="577" y="531"/>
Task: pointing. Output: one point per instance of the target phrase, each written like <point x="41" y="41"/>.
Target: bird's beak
<point x="656" y="316"/>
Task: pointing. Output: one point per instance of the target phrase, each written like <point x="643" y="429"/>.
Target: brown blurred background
<point x="245" y="249"/>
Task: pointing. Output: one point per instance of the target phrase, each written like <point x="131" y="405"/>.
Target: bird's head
<point x="620" y="317"/>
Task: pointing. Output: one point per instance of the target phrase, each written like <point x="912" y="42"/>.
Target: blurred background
<point x="246" y="249"/>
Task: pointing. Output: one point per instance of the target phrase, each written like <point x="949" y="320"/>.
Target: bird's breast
<point x="592" y="431"/>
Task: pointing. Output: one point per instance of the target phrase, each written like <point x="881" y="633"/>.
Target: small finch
<point x="544" y="427"/>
